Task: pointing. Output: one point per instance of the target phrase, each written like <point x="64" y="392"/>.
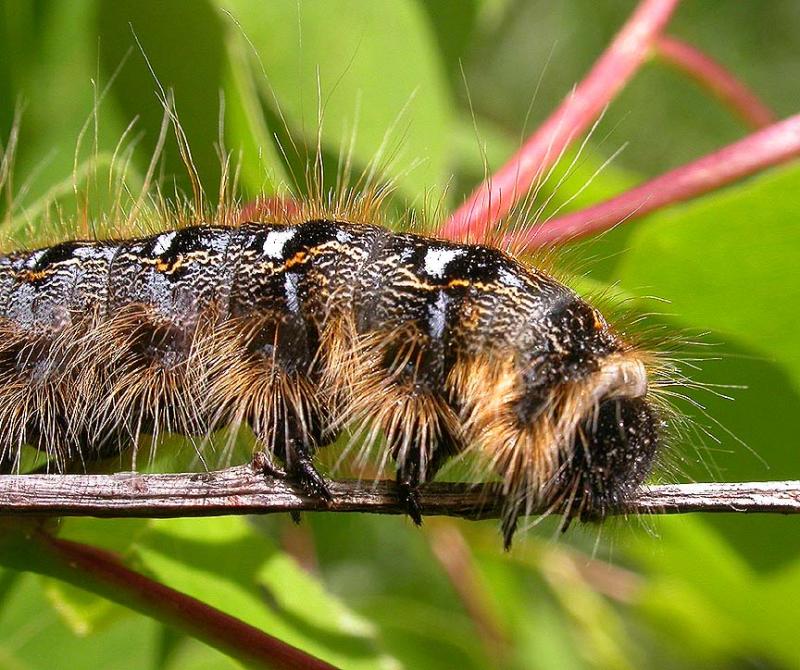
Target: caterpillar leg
<point x="299" y="468"/>
<point x="297" y="454"/>
<point x="418" y="465"/>
<point x="263" y="463"/>
<point x="394" y="385"/>
<point x="508" y="525"/>
<point x="290" y="429"/>
<point x="408" y="490"/>
<point x="264" y="376"/>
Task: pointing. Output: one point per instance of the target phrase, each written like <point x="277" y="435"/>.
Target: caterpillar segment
<point x="431" y="348"/>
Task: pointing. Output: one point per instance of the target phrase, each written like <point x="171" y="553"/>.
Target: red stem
<point x="229" y="634"/>
<point x="713" y="76"/>
<point x="499" y="193"/>
<point x="773" y="145"/>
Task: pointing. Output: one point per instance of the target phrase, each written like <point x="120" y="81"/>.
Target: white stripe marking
<point x="163" y="243"/>
<point x="436" y="260"/>
<point x="276" y="241"/>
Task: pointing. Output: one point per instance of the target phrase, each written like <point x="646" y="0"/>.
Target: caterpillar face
<point x="304" y="330"/>
<point x="565" y="419"/>
<point x="596" y="413"/>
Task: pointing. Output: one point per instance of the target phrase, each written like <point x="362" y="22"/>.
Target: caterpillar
<point x="304" y="328"/>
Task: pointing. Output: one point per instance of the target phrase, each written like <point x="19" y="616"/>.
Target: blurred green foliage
<point x="392" y="76"/>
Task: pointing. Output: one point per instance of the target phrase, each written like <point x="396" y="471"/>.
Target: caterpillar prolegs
<point x="303" y="330"/>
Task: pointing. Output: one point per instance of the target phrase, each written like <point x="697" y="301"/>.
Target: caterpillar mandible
<point x="303" y="328"/>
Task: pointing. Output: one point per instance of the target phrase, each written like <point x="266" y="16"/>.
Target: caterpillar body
<point x="304" y="329"/>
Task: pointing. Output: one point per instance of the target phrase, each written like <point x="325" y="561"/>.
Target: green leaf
<point x="34" y="635"/>
<point x="730" y="262"/>
<point x="225" y="564"/>
<point x="709" y="599"/>
<point x="377" y="70"/>
<point x="184" y="45"/>
<point x="255" y="153"/>
<point x="454" y="24"/>
<point x="65" y="120"/>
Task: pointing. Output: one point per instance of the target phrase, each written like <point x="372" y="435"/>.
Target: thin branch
<point x="773" y="145"/>
<point x="240" y="490"/>
<point x="779" y="497"/>
<point x="714" y="77"/>
<point x="495" y="197"/>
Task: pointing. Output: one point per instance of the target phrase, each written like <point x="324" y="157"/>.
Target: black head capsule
<point x="589" y="433"/>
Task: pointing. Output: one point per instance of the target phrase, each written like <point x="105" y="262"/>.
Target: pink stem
<point x="96" y="567"/>
<point x="500" y="192"/>
<point x="713" y="76"/>
<point x="775" y="144"/>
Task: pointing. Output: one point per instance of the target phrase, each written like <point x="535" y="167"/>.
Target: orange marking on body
<point x="299" y="257"/>
<point x="31" y="275"/>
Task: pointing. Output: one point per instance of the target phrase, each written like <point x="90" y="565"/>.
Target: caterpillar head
<point x="595" y="411"/>
<point x="568" y="423"/>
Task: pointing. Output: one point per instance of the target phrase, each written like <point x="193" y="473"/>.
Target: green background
<point x="368" y="592"/>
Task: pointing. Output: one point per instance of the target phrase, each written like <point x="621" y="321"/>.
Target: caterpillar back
<point x="305" y="329"/>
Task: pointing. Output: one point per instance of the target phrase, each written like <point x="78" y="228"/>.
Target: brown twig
<point x="495" y="197"/>
<point x="716" y="78"/>
<point x="240" y="490"/>
<point x="773" y="145"/>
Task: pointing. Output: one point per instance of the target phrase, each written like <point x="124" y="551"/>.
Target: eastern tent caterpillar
<point x="306" y="326"/>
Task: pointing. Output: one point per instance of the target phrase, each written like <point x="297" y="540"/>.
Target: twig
<point x="500" y="192"/>
<point x="773" y="145"/>
<point x="714" y="77"/>
<point x="240" y="490"/>
<point x="781" y="497"/>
